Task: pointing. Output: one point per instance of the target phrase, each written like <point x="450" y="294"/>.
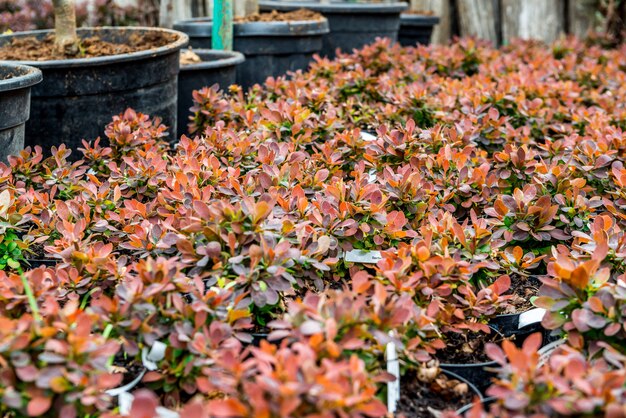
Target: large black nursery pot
<point x="79" y="96"/>
<point x="472" y="388"/>
<point x="352" y="25"/>
<point x="470" y="385"/>
<point x="478" y="374"/>
<point x="16" y="82"/>
<point x="270" y="48"/>
<point x="416" y="29"/>
<point x="217" y="67"/>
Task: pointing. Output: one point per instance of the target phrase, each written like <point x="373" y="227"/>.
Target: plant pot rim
<point x="469" y="384"/>
<point x="459" y="365"/>
<point x="198" y="27"/>
<point x="413" y="19"/>
<point x="338" y="7"/>
<point x="472" y="387"/>
<point x="484" y="401"/>
<point x="181" y="42"/>
<point x="27" y="76"/>
<point x="222" y="59"/>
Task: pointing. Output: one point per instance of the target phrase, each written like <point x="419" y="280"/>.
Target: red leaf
<point x="38" y="406"/>
<point x="144" y="404"/>
<point x="374" y="408"/>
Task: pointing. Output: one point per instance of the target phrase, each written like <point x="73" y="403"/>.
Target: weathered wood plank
<point x="532" y="19"/>
<point x="173" y="10"/>
<point x="582" y="16"/>
<point x="479" y="18"/>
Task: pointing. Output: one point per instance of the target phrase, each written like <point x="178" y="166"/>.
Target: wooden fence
<point x="502" y="20"/>
<point x="496" y="20"/>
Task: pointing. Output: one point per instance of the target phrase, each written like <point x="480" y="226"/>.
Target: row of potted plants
<point x="226" y="273"/>
<point x="91" y="79"/>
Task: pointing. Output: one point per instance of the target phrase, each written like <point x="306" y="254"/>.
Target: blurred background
<point x="498" y="21"/>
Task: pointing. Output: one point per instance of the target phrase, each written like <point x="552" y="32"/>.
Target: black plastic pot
<point x="217" y="67"/>
<point x="271" y="48"/>
<point x="352" y="25"/>
<point x="469" y="384"/>
<point x="478" y="374"/>
<point x="416" y="29"/>
<point x="78" y="97"/>
<point x="16" y="82"/>
<point x="36" y="262"/>
<point x="485" y="402"/>
<point x="508" y="326"/>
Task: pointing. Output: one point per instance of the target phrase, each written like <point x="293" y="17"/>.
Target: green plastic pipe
<point x="222" y="34"/>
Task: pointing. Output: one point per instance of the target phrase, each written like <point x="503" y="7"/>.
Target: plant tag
<point x="393" y="368"/>
<point x="125" y="401"/>
<point x="128" y="386"/>
<point x="362" y="256"/>
<point x="530" y="317"/>
<point x="368" y="137"/>
<point x="156" y="354"/>
<point x="546" y="351"/>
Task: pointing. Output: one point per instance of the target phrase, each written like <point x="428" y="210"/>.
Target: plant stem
<point x="30" y="296"/>
<point x="66" y="40"/>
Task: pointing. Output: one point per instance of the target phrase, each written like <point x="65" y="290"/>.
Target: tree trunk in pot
<point x="65" y="26"/>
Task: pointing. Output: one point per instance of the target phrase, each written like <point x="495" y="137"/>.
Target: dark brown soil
<point x="467" y="348"/>
<point x="130" y="369"/>
<point x="275" y="16"/>
<point x="522" y="289"/>
<point x="36" y="252"/>
<point x="419" y="399"/>
<point x="32" y="49"/>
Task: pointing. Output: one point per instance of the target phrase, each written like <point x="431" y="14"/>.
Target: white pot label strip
<point x="156" y="354"/>
<point x="123" y="390"/>
<point x="546" y="351"/>
<point x="368" y="137"/>
<point x="530" y="317"/>
<point x="149" y="359"/>
<point x="363" y="257"/>
<point x="393" y="368"/>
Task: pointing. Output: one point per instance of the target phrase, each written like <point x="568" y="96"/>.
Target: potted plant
<point x="430" y="390"/>
<point x="272" y="43"/>
<point x="416" y="27"/>
<point x="93" y="73"/>
<point x="16" y="82"/>
<point x="203" y="68"/>
<point x="352" y="24"/>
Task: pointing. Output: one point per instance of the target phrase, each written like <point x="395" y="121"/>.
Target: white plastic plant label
<point x="530" y="317"/>
<point x="363" y="257"/>
<point x="546" y="351"/>
<point x="120" y="391"/>
<point x="393" y="368"/>
<point x="365" y="136"/>
<point x="156" y="354"/>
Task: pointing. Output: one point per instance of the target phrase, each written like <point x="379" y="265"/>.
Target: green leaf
<point x="13" y="264"/>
